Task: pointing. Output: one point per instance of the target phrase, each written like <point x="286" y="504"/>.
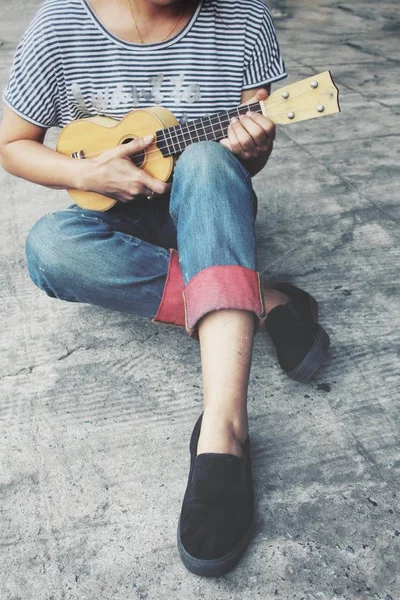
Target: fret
<point x="233" y="114"/>
<point x="198" y="128"/>
<point x="204" y="133"/>
<point x="162" y="142"/>
<point x="175" y="150"/>
<point x="180" y="136"/>
<point x="216" y="127"/>
<point x="226" y="121"/>
<point x="164" y="145"/>
<point x="192" y="133"/>
<point x="194" y="123"/>
<point x="222" y="127"/>
<point x="182" y="131"/>
<point x="189" y="133"/>
<point x="239" y="111"/>
<point x="203" y="130"/>
<point x="242" y="110"/>
<point x="181" y="139"/>
<point x="208" y="128"/>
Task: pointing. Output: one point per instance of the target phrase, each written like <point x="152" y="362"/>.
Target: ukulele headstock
<point x="313" y="97"/>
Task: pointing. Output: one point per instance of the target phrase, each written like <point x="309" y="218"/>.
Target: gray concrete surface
<point x="97" y="407"/>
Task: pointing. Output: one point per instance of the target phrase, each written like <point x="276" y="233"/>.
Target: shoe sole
<point x="318" y="351"/>
<point x="216" y="566"/>
<point x="313" y="359"/>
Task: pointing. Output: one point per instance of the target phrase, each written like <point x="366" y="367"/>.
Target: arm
<point x="251" y="137"/>
<point x="22" y="154"/>
<point x="113" y="174"/>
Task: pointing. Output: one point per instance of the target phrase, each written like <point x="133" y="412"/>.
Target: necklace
<point x="137" y="30"/>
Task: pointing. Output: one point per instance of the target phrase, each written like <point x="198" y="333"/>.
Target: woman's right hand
<point x="113" y="174"/>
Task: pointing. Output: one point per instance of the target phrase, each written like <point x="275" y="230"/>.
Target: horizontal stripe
<point x="69" y="66"/>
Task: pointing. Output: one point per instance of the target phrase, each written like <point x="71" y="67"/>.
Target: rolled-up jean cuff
<point x="223" y="287"/>
<point x="171" y="309"/>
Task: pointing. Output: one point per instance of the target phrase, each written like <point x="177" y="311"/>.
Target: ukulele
<point x="86" y="138"/>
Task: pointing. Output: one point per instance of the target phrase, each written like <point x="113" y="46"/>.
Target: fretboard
<point x="174" y="140"/>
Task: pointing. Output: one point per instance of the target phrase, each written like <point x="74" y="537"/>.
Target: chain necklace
<point x="137" y="30"/>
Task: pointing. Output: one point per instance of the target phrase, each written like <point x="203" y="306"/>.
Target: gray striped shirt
<point x="69" y="66"/>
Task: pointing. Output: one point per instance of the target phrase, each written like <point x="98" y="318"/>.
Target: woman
<point x="181" y="253"/>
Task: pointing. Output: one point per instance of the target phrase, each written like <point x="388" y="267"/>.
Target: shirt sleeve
<point x="32" y="90"/>
<point x="264" y="62"/>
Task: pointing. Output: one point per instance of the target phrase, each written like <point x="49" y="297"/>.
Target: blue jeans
<point x="123" y="260"/>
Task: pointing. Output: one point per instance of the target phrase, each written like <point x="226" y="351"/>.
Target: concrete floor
<point x="97" y="407"/>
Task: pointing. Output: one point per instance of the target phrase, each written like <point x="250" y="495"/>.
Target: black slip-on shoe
<point x="217" y="512"/>
<point x="301" y="343"/>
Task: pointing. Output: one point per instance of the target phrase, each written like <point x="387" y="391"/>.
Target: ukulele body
<point x="91" y="136"/>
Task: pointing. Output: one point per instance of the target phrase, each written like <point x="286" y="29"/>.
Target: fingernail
<point x="148" y="138"/>
<point x="234" y="119"/>
<point x="249" y="114"/>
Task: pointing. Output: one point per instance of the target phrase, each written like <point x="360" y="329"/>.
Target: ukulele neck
<point x="174" y="140"/>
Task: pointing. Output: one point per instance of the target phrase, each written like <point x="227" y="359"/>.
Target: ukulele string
<point x="191" y="128"/>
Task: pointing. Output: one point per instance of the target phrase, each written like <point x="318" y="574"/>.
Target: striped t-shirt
<point x="69" y="66"/>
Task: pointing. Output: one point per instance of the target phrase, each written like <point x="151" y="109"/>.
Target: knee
<point x="209" y="160"/>
<point x="44" y="250"/>
<point x="39" y="245"/>
<point x="212" y="173"/>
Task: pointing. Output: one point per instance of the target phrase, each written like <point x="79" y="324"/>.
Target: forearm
<point x="34" y="162"/>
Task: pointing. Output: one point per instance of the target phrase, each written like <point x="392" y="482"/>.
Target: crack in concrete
<point x="70" y="352"/>
<point x="29" y="370"/>
<point x="371" y="53"/>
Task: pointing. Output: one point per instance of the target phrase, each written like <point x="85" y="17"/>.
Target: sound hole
<point x="137" y="159"/>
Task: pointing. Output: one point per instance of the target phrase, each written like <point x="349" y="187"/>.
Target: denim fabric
<point x="119" y="259"/>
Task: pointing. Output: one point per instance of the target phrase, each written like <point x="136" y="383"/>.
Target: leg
<point x="226" y="339"/>
<point x="214" y="206"/>
<point x="99" y="258"/>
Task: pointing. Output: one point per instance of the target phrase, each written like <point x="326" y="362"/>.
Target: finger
<point x="225" y="142"/>
<point x="133" y="147"/>
<point x="149" y="193"/>
<point x="234" y="143"/>
<point x="137" y="193"/>
<point x="260" y="95"/>
<point x="267" y="125"/>
<point x="151" y="184"/>
<point x="243" y="136"/>
<point x="255" y="131"/>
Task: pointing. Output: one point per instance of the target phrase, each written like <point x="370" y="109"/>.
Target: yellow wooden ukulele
<point x="85" y="138"/>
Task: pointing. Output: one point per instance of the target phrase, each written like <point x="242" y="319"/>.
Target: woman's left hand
<point x="251" y="135"/>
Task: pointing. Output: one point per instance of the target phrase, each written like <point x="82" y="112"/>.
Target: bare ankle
<point x="274" y="298"/>
<point x="222" y="432"/>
